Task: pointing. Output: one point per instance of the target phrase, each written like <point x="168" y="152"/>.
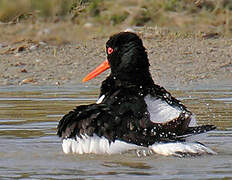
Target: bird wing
<point x="86" y="120"/>
<point x="124" y="116"/>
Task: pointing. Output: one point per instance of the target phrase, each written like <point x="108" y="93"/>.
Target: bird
<point x="132" y="112"/>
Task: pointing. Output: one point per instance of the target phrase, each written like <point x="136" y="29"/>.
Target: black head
<point x="127" y="57"/>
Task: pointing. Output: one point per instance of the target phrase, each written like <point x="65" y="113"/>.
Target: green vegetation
<point x="119" y="18"/>
<point x="181" y="15"/>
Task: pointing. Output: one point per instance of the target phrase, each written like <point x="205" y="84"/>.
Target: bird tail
<point x="199" y="129"/>
<point x="181" y="148"/>
<point x="190" y="131"/>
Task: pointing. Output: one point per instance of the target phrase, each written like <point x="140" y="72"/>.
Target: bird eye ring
<point x="110" y="50"/>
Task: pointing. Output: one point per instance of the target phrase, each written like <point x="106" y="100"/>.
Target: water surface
<point x="30" y="149"/>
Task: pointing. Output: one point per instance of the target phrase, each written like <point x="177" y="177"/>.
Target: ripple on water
<point x="30" y="148"/>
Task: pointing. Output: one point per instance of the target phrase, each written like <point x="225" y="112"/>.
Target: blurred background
<point x="70" y="20"/>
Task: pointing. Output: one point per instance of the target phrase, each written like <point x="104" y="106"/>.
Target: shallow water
<point x="30" y="149"/>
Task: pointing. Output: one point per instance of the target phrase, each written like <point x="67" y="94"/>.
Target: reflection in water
<point x="30" y="148"/>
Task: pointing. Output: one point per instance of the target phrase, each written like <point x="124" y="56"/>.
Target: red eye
<point x="110" y="50"/>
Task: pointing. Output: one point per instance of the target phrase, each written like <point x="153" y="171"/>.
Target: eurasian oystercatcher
<point x="132" y="111"/>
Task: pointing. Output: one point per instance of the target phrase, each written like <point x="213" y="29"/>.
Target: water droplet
<point x="153" y="132"/>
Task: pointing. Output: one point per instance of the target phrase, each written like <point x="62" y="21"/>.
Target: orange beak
<point x="101" y="68"/>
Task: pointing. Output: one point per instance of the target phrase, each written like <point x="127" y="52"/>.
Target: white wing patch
<point x="160" y="111"/>
<point x="95" y="145"/>
<point x="100" y="99"/>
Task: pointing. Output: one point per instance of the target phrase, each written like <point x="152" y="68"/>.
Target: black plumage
<point x="123" y="114"/>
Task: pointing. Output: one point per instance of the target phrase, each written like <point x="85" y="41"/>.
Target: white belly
<point x="181" y="149"/>
<point x="95" y="145"/>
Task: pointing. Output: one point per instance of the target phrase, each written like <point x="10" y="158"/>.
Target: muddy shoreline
<point x="177" y="62"/>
